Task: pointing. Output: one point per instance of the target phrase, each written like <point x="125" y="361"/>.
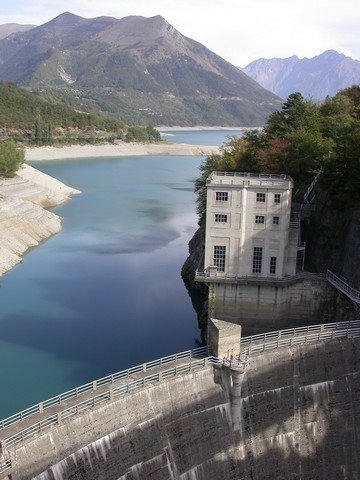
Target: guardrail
<point x="252" y="344"/>
<point x="92" y="386"/>
<point x="249" y="345"/>
<point x="109" y="395"/>
<point x="344" y="287"/>
<point x="5" y="465"/>
<point x="112" y="394"/>
<point x="252" y="175"/>
<point x="222" y="178"/>
<point x="216" y="276"/>
<point x="296" y="336"/>
<point x="311" y="186"/>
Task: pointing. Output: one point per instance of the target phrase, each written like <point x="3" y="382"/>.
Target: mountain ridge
<point x="317" y="77"/>
<point x="7" y="29"/>
<point x="137" y="67"/>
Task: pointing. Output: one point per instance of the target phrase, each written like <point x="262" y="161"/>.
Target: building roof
<point x="246" y="179"/>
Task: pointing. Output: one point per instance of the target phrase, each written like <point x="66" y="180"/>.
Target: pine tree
<point x="38" y="130"/>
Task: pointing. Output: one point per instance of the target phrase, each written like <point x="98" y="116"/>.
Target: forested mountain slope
<point x="141" y="68"/>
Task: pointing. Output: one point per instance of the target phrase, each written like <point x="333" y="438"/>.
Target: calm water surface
<point x="106" y="292"/>
<point x="200" y="137"/>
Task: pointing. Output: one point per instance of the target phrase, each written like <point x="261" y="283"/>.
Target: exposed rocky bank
<point x="117" y="149"/>
<point x="24" y="220"/>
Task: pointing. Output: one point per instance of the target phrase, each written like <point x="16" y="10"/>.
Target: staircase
<point x="343" y="287"/>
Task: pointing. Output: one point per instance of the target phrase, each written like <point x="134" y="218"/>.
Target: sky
<point x="238" y="30"/>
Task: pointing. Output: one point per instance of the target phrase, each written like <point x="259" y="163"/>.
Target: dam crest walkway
<point x="38" y="419"/>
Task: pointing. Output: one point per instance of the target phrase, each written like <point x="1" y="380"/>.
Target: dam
<point x="284" y="405"/>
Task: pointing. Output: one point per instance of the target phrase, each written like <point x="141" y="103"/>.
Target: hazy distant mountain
<point x="316" y="77"/>
<point x="8" y="28"/>
<point x="141" y="68"/>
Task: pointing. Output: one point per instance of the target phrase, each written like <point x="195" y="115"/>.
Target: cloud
<point x="238" y="30"/>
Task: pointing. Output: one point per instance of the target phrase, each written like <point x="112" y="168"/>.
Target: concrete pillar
<point x="212" y="300"/>
<point x="223" y="338"/>
<point x="212" y="271"/>
<point x="237" y="378"/>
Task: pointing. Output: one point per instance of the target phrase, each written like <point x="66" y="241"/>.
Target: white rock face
<point x="24" y="222"/>
<point x="65" y="76"/>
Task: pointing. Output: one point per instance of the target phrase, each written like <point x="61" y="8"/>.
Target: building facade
<point x="249" y="232"/>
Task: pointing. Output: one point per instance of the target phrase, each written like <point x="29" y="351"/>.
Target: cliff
<point x="24" y="222"/>
<point x="198" y="292"/>
<point x="332" y="236"/>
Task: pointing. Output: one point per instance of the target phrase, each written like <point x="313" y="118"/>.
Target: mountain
<point x="8" y="28"/>
<point x="28" y="117"/>
<point x="141" y="68"/>
<point x="315" y="77"/>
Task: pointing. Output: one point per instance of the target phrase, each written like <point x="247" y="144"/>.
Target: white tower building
<point x="248" y="227"/>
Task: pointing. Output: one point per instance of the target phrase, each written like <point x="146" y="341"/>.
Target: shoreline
<point x="25" y="219"/>
<point x="200" y="127"/>
<point x="25" y="199"/>
<point x="35" y="154"/>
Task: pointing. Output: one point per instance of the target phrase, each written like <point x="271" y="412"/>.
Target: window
<point x="257" y="259"/>
<point x="260" y="197"/>
<point x="272" y="265"/>
<point x="276" y="220"/>
<point x="219" y="257"/>
<point x="260" y="219"/>
<point x="277" y="197"/>
<point x="221" y="218"/>
<point x="222" y="196"/>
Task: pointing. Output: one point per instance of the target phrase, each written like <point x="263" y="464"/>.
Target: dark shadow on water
<point x="135" y="243"/>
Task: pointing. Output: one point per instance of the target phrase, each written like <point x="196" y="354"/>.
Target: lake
<point x="106" y="292"/>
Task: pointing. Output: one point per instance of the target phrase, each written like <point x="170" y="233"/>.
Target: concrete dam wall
<point x="299" y="418"/>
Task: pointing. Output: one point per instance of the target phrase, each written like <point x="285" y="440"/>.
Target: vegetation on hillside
<point x="300" y="140"/>
<point x="174" y="81"/>
<point x="11" y="158"/>
<point x="28" y="117"/>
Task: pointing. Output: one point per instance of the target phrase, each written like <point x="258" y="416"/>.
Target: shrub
<point x="11" y="158"/>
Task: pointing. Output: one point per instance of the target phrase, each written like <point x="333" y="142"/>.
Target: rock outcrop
<point x="24" y="222"/>
<point x="198" y="292"/>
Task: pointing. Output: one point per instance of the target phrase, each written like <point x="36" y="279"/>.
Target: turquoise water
<point x="105" y="293"/>
<point x="200" y="137"/>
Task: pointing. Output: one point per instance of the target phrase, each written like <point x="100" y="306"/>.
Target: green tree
<point x="153" y="134"/>
<point x="341" y="173"/>
<point x="296" y="114"/>
<point x="38" y="130"/>
<point x="11" y="158"/>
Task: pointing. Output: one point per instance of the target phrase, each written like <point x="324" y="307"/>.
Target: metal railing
<point x="249" y="345"/>
<point x="344" y="287"/>
<point x="92" y="386"/>
<point x="216" y="276"/>
<point x="294" y="224"/>
<point x="237" y="362"/>
<point x="5" y="465"/>
<point x="310" y="188"/>
<point x="252" y="175"/>
<point x="296" y="336"/>
<point x="251" y="178"/>
<point x="109" y="395"/>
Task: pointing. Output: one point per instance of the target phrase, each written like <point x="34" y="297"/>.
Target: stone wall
<point x="298" y="418"/>
<point x="267" y="307"/>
